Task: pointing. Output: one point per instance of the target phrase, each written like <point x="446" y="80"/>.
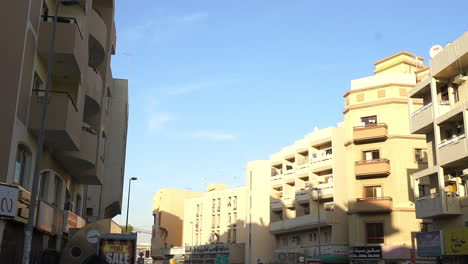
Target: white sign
<point x="8" y="200"/>
<point x="93" y="236"/>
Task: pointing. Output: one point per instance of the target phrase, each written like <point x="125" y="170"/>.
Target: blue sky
<point x="214" y="84"/>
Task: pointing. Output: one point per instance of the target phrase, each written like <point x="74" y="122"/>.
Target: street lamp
<point x="40" y="139"/>
<point x="318" y="217"/>
<point x="128" y="200"/>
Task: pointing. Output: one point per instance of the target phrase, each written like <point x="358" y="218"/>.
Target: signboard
<point x="429" y="244"/>
<point x="455" y="241"/>
<point x="374" y="252"/>
<point x="118" y="248"/>
<point x="8" y="200"/>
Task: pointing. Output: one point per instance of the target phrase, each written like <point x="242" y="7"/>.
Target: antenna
<point x="436" y="49"/>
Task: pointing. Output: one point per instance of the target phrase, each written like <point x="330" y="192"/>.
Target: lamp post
<point x="318" y="217"/>
<point x="40" y="139"/>
<point x="128" y="200"/>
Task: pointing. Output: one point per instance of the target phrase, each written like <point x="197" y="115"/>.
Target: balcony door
<point x="370" y="155"/>
<point x="369" y="120"/>
<point x="374" y="191"/>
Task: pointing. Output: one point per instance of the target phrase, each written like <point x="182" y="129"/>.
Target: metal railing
<point x="65" y="20"/>
<point x="452" y="140"/>
<point x="373" y="198"/>
<point x="37" y="91"/>
<point x="370" y="126"/>
<point x="421" y="109"/>
<point x="362" y="162"/>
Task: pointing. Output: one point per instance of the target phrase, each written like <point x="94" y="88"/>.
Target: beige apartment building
<point x="308" y="199"/>
<point x="381" y="155"/>
<point x="441" y="189"/>
<point x="169" y="217"/>
<point x="83" y="121"/>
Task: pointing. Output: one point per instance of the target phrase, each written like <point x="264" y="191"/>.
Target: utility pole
<point x="318" y="220"/>
<point x="28" y="230"/>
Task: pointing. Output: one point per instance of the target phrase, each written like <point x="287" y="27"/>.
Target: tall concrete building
<point x="82" y="116"/>
<point x="381" y="155"/>
<point x="441" y="189"/>
<point x="308" y="198"/>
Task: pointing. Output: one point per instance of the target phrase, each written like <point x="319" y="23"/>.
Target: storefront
<point x="455" y="247"/>
<point x="365" y="254"/>
<point x="215" y="254"/>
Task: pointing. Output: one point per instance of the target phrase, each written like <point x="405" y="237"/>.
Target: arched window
<point x="22" y="167"/>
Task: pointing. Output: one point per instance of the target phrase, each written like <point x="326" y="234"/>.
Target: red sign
<point x="117" y="251"/>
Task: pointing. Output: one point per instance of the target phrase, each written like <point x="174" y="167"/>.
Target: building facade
<point x="78" y="120"/>
<point x="441" y="189"/>
<point x="381" y="155"/>
<point x="308" y="198"/>
<point x="169" y="217"/>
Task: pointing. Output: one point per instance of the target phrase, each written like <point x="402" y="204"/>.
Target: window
<point x="219" y="205"/>
<point x="214" y="204"/>
<point x="58" y="186"/>
<point x="229" y="218"/>
<point x="372" y="191"/>
<point x="375" y="233"/>
<point x="159" y="218"/>
<point x="198" y="210"/>
<point x="284" y="241"/>
<point x="89" y="211"/>
<point x="306" y="209"/>
<point x="22" y="166"/>
<point x="234" y="218"/>
<point x="444" y="93"/>
<point x="103" y="146"/>
<point x="229" y="235"/>
<point x="420" y="155"/>
<point x="234" y="235"/>
<point x="37" y="84"/>
<point x="328" y="151"/>
<point x="44" y="185"/>
<point x="218" y="218"/>
<point x="370" y="155"/>
<point x="235" y="202"/>
<point x="424" y="190"/>
<point x="78" y="205"/>
<point x="369" y="120"/>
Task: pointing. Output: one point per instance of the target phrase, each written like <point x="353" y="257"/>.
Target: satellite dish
<point x="436" y="49"/>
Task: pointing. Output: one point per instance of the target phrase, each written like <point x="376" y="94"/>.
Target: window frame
<point x="367" y="118"/>
<point x="380" y="239"/>
<point x="379" y="185"/>
<point x="24" y="155"/>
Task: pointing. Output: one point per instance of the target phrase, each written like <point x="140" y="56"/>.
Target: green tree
<point x="125" y="231"/>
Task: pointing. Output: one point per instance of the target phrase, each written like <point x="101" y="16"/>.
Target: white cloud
<point x="194" y="17"/>
<point x="214" y="135"/>
<point x="159" y="120"/>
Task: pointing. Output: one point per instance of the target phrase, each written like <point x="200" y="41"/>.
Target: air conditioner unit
<point x="449" y="178"/>
<point x="459" y="79"/>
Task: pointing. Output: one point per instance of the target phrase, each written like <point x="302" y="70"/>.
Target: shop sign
<point x="373" y="252"/>
<point x="429" y="244"/>
<point x="8" y="200"/>
<point x="118" y="248"/>
<point x="455" y="241"/>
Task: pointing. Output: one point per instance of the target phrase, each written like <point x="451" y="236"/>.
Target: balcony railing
<point x="452" y="140"/>
<point x="43" y="100"/>
<point x="431" y="206"/>
<point x="370" y="132"/>
<point x="421" y="109"/>
<point x="370" y="168"/>
<point x="66" y="20"/>
<point x="373" y="204"/>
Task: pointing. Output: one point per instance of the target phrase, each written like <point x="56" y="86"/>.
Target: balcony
<point x="321" y="162"/>
<point x="93" y="92"/>
<point x="73" y="221"/>
<point x="326" y="191"/>
<point x="276" y="204"/>
<point x="301" y="223"/>
<point x="421" y="120"/>
<point x="303" y="196"/>
<point x="97" y="39"/>
<point x="86" y="157"/>
<point x="49" y="218"/>
<point x="70" y="49"/>
<point x="92" y="176"/>
<point x="289" y="200"/>
<point x="63" y="124"/>
<point x="447" y="63"/>
<point x="454" y="151"/>
<point x="276" y="180"/>
<point x="372" y="168"/>
<point x="373" y="205"/>
<point x="370" y="133"/>
<point x="432" y="206"/>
